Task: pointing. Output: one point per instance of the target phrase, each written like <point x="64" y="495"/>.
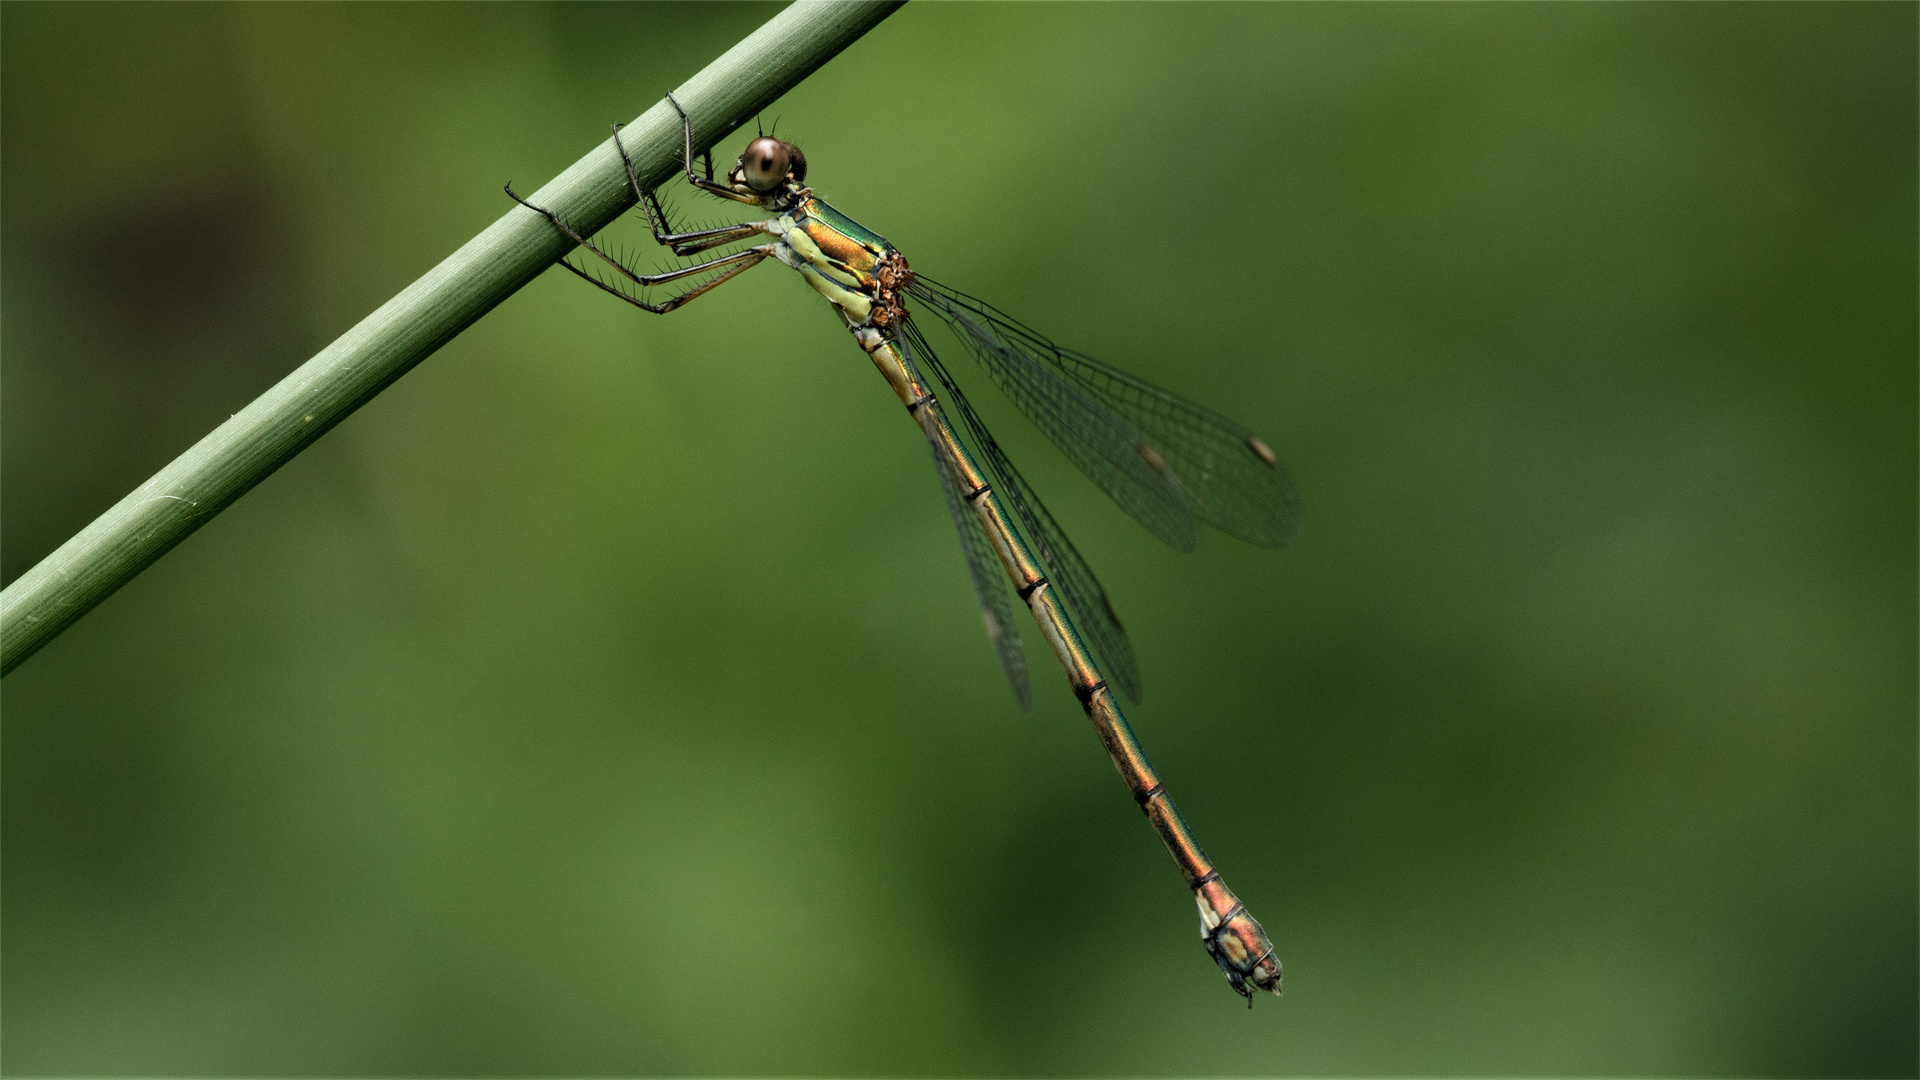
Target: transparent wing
<point x="1086" y="600"/>
<point x="1112" y="451"/>
<point x="1225" y="474"/>
<point x="983" y="566"/>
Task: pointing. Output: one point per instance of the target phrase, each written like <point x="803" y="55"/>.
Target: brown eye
<point x="765" y="163"/>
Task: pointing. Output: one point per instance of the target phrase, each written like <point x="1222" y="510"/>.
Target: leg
<point x="739" y="232"/>
<point x="736" y="264"/>
<point x="708" y="185"/>
<point x="739" y="260"/>
<point x="691" y="243"/>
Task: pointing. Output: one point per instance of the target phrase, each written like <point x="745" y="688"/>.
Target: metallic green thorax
<point x="830" y="218"/>
<point x="852" y="266"/>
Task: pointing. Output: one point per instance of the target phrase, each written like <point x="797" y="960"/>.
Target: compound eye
<point x="765" y="164"/>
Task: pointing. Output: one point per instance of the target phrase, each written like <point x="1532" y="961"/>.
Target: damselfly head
<point x="769" y="162"/>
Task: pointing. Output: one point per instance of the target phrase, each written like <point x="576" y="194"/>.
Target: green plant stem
<point x="406" y="329"/>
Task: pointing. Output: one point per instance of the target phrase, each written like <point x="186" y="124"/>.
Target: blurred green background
<point x="606" y="697"/>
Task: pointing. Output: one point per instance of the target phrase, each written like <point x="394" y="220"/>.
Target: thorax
<point x="846" y="262"/>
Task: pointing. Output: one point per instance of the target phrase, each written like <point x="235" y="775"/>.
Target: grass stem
<point x="405" y="330"/>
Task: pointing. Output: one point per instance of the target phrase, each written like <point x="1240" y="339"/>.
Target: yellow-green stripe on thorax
<point x="835" y="254"/>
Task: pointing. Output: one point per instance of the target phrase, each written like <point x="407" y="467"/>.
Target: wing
<point x="989" y="580"/>
<point x="1113" y="453"/>
<point x="1224" y="474"/>
<point x="1092" y="610"/>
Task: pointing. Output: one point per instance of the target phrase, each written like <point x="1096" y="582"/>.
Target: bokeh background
<point x="606" y="697"/>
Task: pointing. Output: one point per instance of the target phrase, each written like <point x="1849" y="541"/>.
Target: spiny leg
<point x="708" y="185"/>
<point x="742" y="261"/>
<point x="690" y="243"/>
<point x="737" y="263"/>
<point x="646" y="280"/>
<point x="575" y="236"/>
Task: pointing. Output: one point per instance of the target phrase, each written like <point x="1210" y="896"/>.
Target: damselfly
<point x="1164" y="459"/>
